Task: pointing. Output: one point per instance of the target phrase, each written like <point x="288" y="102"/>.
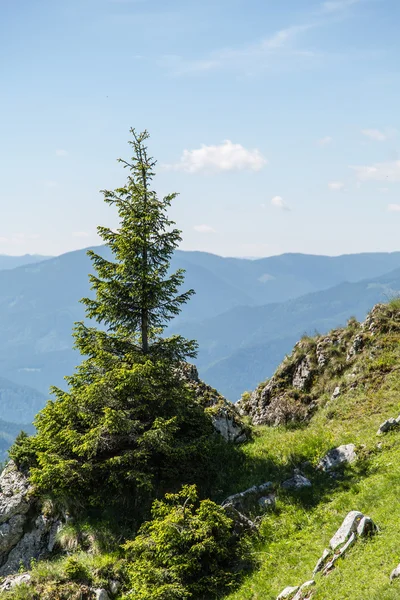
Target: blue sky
<point x="277" y="121"/>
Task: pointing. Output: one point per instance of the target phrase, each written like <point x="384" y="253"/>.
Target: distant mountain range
<point x="11" y="262"/>
<point x="246" y="314"/>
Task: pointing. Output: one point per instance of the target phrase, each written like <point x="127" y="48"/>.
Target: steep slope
<point x="253" y="340"/>
<point x="331" y="391"/>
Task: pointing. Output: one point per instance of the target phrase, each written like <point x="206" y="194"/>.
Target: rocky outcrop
<point x="247" y="501"/>
<point x="389" y="425"/>
<point x="337" y="457"/>
<point x="25" y="533"/>
<point x="297" y="482"/>
<point x="225" y="417"/>
<point x="355" y="526"/>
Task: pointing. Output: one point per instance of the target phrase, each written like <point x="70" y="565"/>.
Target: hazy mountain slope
<point x="11" y="262"/>
<point x="40" y="302"/>
<point x="19" y="403"/>
<point x="259" y="337"/>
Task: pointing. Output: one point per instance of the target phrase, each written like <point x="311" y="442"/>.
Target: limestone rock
<point x="24" y="532"/>
<point x="225" y="416"/>
<point x="336" y="393"/>
<point x="114" y="586"/>
<point x="348" y="527"/>
<point x="356" y="346"/>
<point x="388" y="425"/>
<point x="395" y="573"/>
<point x="288" y="593"/>
<point x="322" y="561"/>
<point x="296" y="482"/>
<point x="338" y="456"/>
<point x="352" y="539"/>
<point x="303" y="374"/>
<point x="366" y="527"/>
<point x="13" y="581"/>
<point x="244" y="501"/>
<point x="306" y="587"/>
<point x="101" y="594"/>
<point x="267" y="501"/>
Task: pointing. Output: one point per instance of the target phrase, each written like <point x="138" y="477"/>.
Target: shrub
<point x="188" y="550"/>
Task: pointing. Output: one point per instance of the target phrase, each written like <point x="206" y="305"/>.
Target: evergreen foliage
<point x="128" y="428"/>
<point x="188" y="550"/>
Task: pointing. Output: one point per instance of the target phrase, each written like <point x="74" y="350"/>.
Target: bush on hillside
<point x="188" y="550"/>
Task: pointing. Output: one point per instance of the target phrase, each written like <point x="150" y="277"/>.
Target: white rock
<point x="395" y="573"/>
<point x="304" y="589"/>
<point x="101" y="594"/>
<point x="288" y="593"/>
<point x="296" y="482"/>
<point x="365" y="527"/>
<point x="336" y="393"/>
<point x="348" y="527"/>
<point x="338" y="456"/>
<point x="322" y="561"/>
<point x="115" y="586"/>
<point x="388" y="425"/>
<point x="14" y="581"/>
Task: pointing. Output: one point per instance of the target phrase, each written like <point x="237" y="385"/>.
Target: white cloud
<point x="394" y="207"/>
<point x="50" y="184"/>
<point x="278" y="202"/>
<point x="325" y="141"/>
<point x="61" y="153"/>
<point x="387" y="171"/>
<point x="80" y="234"/>
<point x="204" y="229"/>
<point x="375" y="134"/>
<point x="332" y="6"/>
<point x="384" y="190"/>
<point x="225" y="157"/>
<point x="336" y="185"/>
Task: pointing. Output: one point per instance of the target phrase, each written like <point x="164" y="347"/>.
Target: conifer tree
<point x="128" y="428"/>
<point x="135" y="295"/>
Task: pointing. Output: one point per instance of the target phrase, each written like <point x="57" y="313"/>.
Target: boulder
<point x="114" y="586"/>
<point x="297" y="482"/>
<point x="337" y="457"/>
<point x="304" y="589"/>
<point x="248" y="500"/>
<point x="352" y="539"/>
<point x="336" y="393"/>
<point x="13" y="581"/>
<point x="349" y="526"/>
<point x="101" y="594"/>
<point x="395" y="573"/>
<point x="356" y="346"/>
<point x="322" y="561"/>
<point x="225" y="417"/>
<point x="25" y="533"/>
<point x="267" y="501"/>
<point x="366" y="527"/>
<point x="288" y="593"/>
<point x="388" y="425"/>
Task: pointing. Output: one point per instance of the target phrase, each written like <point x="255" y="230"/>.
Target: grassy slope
<point x="296" y="532"/>
<point x="302" y="525"/>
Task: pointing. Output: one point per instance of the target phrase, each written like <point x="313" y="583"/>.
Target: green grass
<point x="296" y="533"/>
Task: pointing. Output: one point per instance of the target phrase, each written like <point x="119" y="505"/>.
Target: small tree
<point x="188" y="550"/>
<point x="128" y="428"/>
<point x="135" y="295"/>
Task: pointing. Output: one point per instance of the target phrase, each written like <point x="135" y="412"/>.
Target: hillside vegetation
<point x="294" y="532"/>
